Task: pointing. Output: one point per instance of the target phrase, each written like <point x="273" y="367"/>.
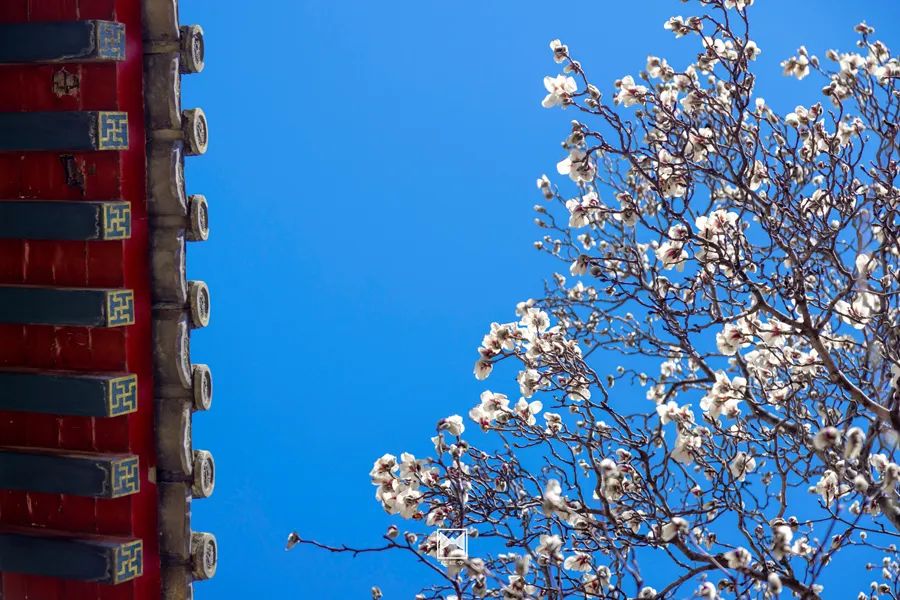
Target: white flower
<point x="751" y="50"/>
<point x="535" y="320"/>
<point x="595" y="585"/>
<point x="544" y="185"/>
<point x="410" y="468"/>
<point x="826" y="438"/>
<point x="687" y="445"/>
<point x="699" y="144"/>
<point x="492" y="407"/>
<point x="797" y="66"/>
<point x="674" y="527"/>
<point x="731" y="339"/>
<point x="559" y="90"/>
<point x="629" y="92"/>
<point x="774" y="332"/>
<point x="453" y="424"/>
<point x="672" y="255"/>
<point x="552" y="500"/>
<point x="658" y="67"/>
<point x="741" y="465"/>
<point x="708" y="591"/>
<point x="384" y="468"/>
<point x="550" y="547"/>
<point x="633" y="519"/>
<point x="483" y="368"/>
<point x="647" y="593"/>
<point x="739" y="558"/>
<point x="738" y="4"/>
<point x="865" y="264"/>
<point x="578" y="166"/>
<point x="580" y="265"/>
<point x="554" y="423"/>
<point x="526" y="410"/>
<point x="407" y="503"/>
<point x="781" y="541"/>
<point x="828" y="487"/>
<point x="774" y="583"/>
<point x="718" y="222"/>
<point x="582" y="210"/>
<point x="723" y="398"/>
<point x="855" y="439"/>
<point x="682" y="415"/>
<point x="628" y="214"/>
<point x="560" y="51"/>
<point x="679" y="26"/>
<point x="860" y="311"/>
<point x="578" y="562"/>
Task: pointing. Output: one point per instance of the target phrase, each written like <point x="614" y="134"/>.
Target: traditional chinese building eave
<point x="179" y="305"/>
<point x="97" y="389"/>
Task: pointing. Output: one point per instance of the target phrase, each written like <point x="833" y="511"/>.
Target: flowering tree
<point x="752" y="259"/>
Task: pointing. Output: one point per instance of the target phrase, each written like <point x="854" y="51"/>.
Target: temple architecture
<point x="98" y="468"/>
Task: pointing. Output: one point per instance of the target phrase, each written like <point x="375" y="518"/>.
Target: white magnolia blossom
<point x="739" y="558"/>
<point x="453" y="424"/>
<point x="797" y="66"/>
<point x="550" y="548"/>
<point x="725" y="396"/>
<point x="560" y="51"/>
<point x="578" y="166"/>
<point x="578" y="562"/>
<point x="559" y="90"/>
<point x="630" y="93"/>
<point x="739" y="267"/>
<point x="741" y="465"/>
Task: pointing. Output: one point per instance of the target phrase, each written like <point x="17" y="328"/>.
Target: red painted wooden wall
<point x="87" y="176"/>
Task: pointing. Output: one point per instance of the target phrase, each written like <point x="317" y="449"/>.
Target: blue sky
<point x="370" y="177"/>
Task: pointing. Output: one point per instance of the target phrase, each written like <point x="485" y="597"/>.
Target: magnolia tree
<point x="743" y="264"/>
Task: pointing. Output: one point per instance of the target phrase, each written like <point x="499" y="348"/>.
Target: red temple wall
<point x="106" y="175"/>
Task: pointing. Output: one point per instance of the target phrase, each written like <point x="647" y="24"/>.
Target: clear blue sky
<point x="370" y="177"/>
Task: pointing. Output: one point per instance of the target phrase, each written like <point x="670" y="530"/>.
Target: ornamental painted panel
<point x="120" y="308"/>
<point x="116" y="221"/>
<point x="125" y="477"/>
<point x="122" y="395"/>
<point x="112" y="131"/>
<point x="129" y="561"/>
<point x="110" y="40"/>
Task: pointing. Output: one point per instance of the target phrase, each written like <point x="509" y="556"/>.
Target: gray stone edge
<point x="175" y="308"/>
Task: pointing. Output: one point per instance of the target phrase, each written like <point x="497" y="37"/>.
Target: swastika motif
<point x="122" y="395"/>
<point x="112" y="128"/>
<point x="119" y="308"/>
<point x="126" y="478"/>
<point x="129" y="561"/>
<point x="110" y="40"/>
<point x="116" y="221"/>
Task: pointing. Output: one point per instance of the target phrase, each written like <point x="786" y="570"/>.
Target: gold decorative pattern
<point x="122" y="395"/>
<point x="110" y="40"/>
<point x="126" y="477"/>
<point x="116" y="221"/>
<point x="119" y="308"/>
<point x="112" y="128"/>
<point x="129" y="561"/>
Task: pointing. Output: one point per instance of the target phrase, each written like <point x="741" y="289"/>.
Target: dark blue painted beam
<point x="61" y="42"/>
<point x="70" y="394"/>
<point x="67" y="556"/>
<point x="63" y="130"/>
<point x="75" y="473"/>
<point x="86" y="307"/>
<point x="60" y="220"/>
